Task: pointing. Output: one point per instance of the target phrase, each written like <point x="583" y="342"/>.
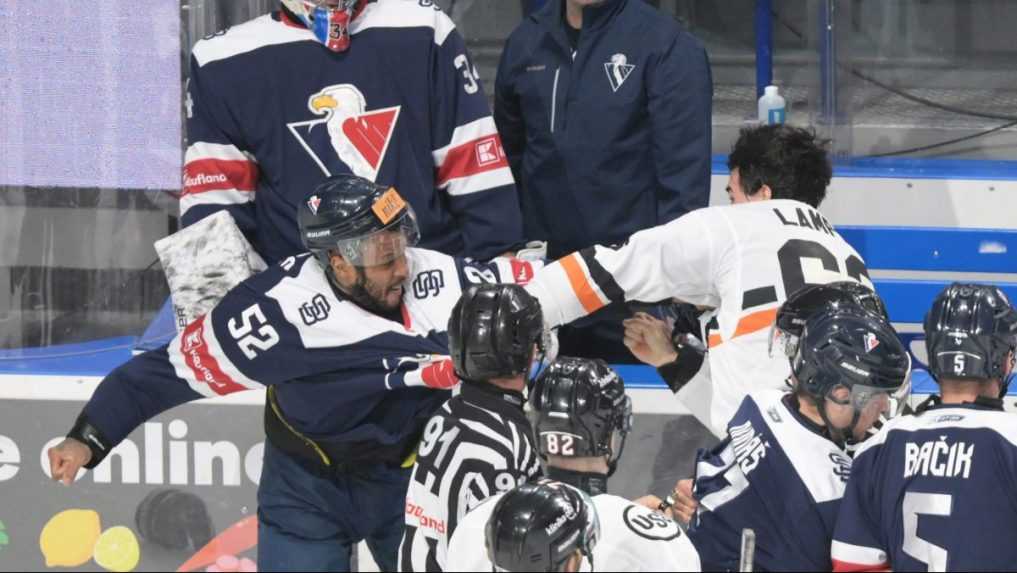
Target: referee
<point x="479" y="443"/>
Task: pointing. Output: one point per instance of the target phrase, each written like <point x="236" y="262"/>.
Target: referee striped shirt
<point x="478" y="445"/>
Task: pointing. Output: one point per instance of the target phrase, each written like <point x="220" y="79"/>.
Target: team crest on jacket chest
<point x="618" y="70"/>
<point x="345" y="132"/>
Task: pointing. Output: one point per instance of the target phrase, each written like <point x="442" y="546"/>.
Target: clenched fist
<point x="649" y="339"/>
<point x="66" y="459"/>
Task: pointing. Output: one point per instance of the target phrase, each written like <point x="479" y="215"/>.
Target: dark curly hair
<point x="792" y="161"/>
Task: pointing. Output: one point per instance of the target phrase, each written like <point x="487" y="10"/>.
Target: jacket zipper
<point x="554" y="96"/>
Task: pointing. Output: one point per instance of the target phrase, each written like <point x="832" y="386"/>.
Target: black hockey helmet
<point x="850" y="347"/>
<point x="368" y="224"/>
<point x="576" y="406"/>
<point x="539" y="526"/>
<point x="805" y="302"/>
<point x="492" y="331"/>
<point x="970" y="332"/>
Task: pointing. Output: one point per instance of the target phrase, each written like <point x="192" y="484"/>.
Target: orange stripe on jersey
<point x="748" y="324"/>
<point x="755" y="322"/>
<point x="580" y="286"/>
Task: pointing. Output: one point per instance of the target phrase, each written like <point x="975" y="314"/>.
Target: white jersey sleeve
<point x="467" y="550"/>
<point x="678" y="260"/>
<point x="740" y="260"/>
<point x="633" y="538"/>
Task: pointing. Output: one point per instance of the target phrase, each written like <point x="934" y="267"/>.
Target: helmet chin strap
<point x="840" y="436"/>
<point x="612" y="460"/>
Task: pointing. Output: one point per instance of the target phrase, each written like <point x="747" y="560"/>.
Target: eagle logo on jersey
<point x="346" y="134"/>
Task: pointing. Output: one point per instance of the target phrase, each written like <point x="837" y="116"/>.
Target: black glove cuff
<point x="89" y="435"/>
<point x="678" y="373"/>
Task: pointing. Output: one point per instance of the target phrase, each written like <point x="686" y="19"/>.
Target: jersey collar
<point x="791" y="403"/>
<point x="935" y="402"/>
<point x="491" y="396"/>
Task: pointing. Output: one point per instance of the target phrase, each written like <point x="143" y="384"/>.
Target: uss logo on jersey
<point x="315" y="310"/>
<point x="346" y="134"/>
<point x="618" y="70"/>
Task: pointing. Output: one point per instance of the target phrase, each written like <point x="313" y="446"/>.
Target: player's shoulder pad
<point x="405" y="14"/>
<point x="247" y="37"/>
<point x="638" y="519"/>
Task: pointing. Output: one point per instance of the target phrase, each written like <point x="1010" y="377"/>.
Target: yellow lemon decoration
<point x="68" y="538"/>
<point x="117" y="550"/>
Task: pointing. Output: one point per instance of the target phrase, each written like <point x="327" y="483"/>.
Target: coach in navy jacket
<point x="607" y="128"/>
<point x="606" y="124"/>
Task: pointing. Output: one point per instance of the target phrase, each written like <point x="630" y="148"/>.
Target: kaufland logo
<point x="191" y="349"/>
<point x="487" y="151"/>
<point x="204" y="179"/>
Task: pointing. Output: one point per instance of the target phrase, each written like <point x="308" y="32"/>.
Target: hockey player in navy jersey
<point x="935" y="491"/>
<point x="350" y="341"/>
<point x="782" y="469"/>
<point x="383" y="89"/>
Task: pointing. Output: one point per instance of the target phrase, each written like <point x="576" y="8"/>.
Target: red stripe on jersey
<point x="205" y="368"/>
<point x="846" y="567"/>
<point x="203" y="175"/>
<point x="471" y="158"/>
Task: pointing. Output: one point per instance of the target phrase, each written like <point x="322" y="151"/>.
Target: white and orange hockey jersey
<point x="741" y="261"/>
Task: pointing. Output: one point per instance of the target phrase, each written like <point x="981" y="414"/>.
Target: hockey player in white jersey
<point x="935" y="491"/>
<point x="581" y="416"/>
<point x="742" y="261"/>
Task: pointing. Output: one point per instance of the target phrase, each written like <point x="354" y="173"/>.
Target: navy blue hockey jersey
<point x="271" y="113"/>
<point x="773" y="474"/>
<point x="933" y="492"/>
<point x="341" y="372"/>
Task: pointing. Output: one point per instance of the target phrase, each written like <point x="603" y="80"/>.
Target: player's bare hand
<point x="656" y="504"/>
<point x="66" y="459"/>
<point x="648" y="501"/>
<point x="649" y="339"/>
<point x="685" y="503"/>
